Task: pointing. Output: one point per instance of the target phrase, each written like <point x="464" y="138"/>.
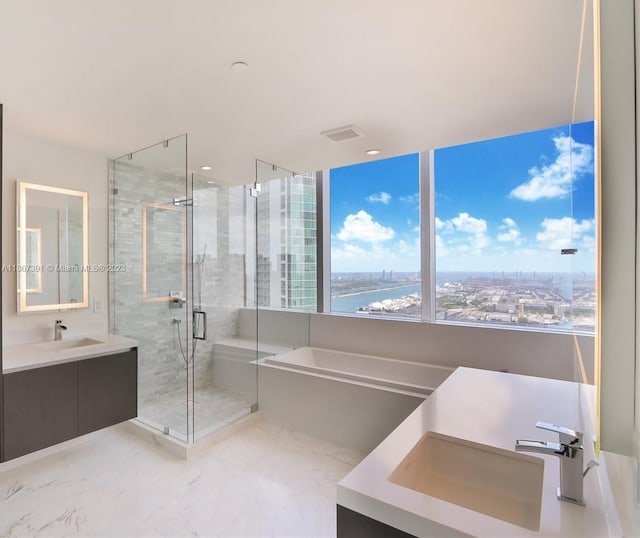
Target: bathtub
<point x="347" y="399"/>
<point x="413" y="377"/>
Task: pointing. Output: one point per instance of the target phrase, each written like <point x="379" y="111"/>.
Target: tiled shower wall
<point x="162" y="369"/>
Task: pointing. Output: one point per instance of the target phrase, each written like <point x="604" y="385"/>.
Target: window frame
<point x="426" y="182"/>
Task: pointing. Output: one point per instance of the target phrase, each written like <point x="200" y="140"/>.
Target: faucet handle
<point x="567" y="436"/>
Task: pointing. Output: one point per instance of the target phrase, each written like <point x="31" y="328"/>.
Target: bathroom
<point x="62" y="159"/>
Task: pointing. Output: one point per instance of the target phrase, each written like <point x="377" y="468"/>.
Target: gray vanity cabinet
<point x="47" y="405"/>
<point x="352" y="524"/>
<point x="40" y="408"/>
<point x="107" y="390"/>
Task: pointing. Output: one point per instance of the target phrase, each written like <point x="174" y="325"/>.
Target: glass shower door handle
<point x="199" y="325"/>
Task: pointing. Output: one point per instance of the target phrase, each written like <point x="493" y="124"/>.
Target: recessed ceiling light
<point x="205" y="167"/>
<point x="239" y="67"/>
<point x="372" y="151"/>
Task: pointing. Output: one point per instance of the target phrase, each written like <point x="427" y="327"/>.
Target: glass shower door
<point x="148" y="236"/>
<point x="223" y="317"/>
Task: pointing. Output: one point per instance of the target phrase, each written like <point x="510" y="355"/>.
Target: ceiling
<point x="113" y="76"/>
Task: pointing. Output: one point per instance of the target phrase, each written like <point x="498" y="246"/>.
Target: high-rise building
<point x="287" y="243"/>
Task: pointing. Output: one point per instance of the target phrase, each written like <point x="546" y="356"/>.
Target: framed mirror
<point x="163" y="258"/>
<point x="52" y="248"/>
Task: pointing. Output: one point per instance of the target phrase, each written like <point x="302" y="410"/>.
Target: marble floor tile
<point x="262" y="481"/>
<point x="212" y="407"/>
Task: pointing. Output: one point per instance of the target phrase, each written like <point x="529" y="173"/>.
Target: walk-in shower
<point x="187" y="295"/>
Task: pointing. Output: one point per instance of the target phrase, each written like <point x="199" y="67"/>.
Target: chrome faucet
<point x="59" y="327"/>
<point x="570" y="452"/>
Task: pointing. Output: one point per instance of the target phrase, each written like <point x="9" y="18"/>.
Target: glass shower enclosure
<point x="185" y="294"/>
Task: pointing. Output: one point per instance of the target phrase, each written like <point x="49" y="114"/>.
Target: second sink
<point x="496" y="482"/>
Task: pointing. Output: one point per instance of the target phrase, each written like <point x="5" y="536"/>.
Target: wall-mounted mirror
<point x="52" y="248"/>
<point x="163" y="229"/>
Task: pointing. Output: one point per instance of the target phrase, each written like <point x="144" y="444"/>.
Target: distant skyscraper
<point x="287" y="243"/>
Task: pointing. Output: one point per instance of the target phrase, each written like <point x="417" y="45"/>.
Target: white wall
<point x="534" y="353"/>
<point x="617" y="234"/>
<point x="42" y="161"/>
<point x="527" y="352"/>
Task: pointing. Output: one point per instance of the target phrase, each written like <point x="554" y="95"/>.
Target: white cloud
<point x="411" y="198"/>
<point x="348" y="252"/>
<point x="466" y="223"/>
<point x="444" y="225"/>
<point x="479" y="242"/>
<point x="441" y="247"/>
<point x="589" y="242"/>
<point x="555" y="180"/>
<point x="401" y="255"/>
<point x="511" y="233"/>
<point x="379" y="198"/>
<point x="473" y="239"/>
<point x="565" y="233"/>
<point x="362" y="227"/>
<point x="510" y="236"/>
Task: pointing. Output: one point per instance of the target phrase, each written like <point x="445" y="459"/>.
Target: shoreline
<point x="352" y="294"/>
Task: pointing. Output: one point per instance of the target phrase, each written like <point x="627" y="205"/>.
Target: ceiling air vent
<point x="342" y="134"/>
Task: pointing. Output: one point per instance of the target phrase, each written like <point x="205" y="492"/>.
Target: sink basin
<point x="496" y="482"/>
<point x="62" y="345"/>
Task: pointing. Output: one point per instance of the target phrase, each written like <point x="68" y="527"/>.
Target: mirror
<point x="163" y="229"/>
<point x="52" y="248"/>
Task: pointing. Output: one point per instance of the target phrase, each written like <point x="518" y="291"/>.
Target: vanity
<point x="55" y="391"/>
<point x="59" y="389"/>
<point x="468" y="427"/>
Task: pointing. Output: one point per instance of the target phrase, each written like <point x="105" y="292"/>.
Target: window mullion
<point x="427" y="237"/>
<point x="323" y="216"/>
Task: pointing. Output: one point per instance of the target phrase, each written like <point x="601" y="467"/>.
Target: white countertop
<point x="495" y="409"/>
<point x="29" y="356"/>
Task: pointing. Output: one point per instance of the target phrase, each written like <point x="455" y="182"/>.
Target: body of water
<point x="351" y="303"/>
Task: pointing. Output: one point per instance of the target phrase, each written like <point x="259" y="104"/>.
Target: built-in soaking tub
<point x="410" y="377"/>
<point x="345" y="398"/>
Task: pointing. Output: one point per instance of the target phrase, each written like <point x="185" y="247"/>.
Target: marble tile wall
<point x="144" y="194"/>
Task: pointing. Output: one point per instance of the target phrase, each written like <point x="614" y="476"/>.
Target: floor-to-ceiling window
<point x="375" y="238"/>
<point x="512" y="222"/>
<point x="515" y="231"/>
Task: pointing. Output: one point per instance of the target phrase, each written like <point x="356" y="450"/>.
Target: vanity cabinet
<point x="40" y="408"/>
<point x="107" y="390"/>
<point x="47" y="405"/>
<point x="351" y="524"/>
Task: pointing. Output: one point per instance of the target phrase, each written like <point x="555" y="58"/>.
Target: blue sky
<point x="507" y="204"/>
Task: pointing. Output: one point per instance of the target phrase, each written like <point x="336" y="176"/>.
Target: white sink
<point x="62" y="345"/>
<point x="496" y="482"/>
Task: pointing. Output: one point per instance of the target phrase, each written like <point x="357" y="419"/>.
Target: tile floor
<point x="263" y="480"/>
<point x="214" y="408"/>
